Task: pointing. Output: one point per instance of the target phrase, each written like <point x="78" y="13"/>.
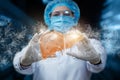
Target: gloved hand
<point x="32" y="53"/>
<point x="85" y="51"/>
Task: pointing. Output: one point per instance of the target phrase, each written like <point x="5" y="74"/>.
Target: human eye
<point x="55" y="14"/>
<point x="68" y="13"/>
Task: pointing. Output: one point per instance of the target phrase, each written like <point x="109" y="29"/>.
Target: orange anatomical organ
<point x="53" y="41"/>
<point x="72" y="37"/>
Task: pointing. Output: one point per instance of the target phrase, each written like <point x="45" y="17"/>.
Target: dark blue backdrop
<point x="19" y="17"/>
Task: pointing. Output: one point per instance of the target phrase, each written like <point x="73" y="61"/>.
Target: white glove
<point x="32" y="53"/>
<point x="85" y="51"/>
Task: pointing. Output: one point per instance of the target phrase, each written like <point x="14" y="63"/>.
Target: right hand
<point x="85" y="51"/>
<point x="32" y="53"/>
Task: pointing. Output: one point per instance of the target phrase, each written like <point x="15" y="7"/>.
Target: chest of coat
<point x="60" y="67"/>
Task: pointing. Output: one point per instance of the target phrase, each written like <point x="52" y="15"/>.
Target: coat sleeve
<point x="16" y="63"/>
<point x="100" y="50"/>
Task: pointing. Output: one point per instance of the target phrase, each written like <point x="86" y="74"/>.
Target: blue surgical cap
<point x="55" y="3"/>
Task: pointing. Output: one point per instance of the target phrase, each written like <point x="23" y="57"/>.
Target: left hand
<point x="85" y="51"/>
<point x="33" y="52"/>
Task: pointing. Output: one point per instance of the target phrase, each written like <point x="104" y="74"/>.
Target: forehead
<point x="59" y="8"/>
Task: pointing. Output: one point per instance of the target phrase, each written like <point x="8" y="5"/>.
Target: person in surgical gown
<point x="75" y="63"/>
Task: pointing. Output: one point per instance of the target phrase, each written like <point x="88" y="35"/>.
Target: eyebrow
<point x="62" y="10"/>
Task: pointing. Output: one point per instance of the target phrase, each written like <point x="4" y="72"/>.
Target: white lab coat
<point x="62" y="67"/>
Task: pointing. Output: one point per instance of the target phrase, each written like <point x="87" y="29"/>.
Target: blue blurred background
<point x="19" y="18"/>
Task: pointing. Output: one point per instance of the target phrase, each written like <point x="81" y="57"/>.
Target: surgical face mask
<point x="62" y="23"/>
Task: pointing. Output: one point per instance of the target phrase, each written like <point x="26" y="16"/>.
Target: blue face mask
<point x="62" y="23"/>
